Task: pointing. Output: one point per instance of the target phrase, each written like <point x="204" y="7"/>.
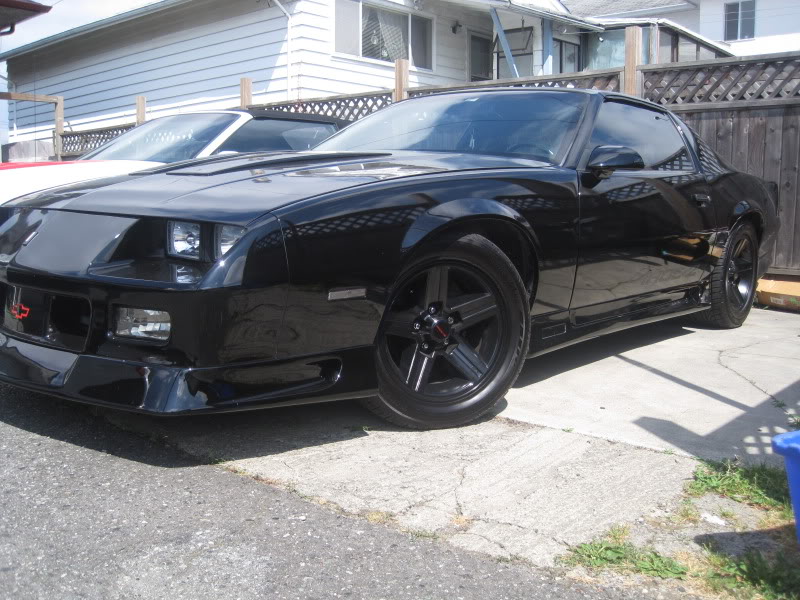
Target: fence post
<point x="58" y="132"/>
<point x="400" y="80"/>
<point x="245" y="92"/>
<point x="633" y="58"/>
<point x="141" y="109"/>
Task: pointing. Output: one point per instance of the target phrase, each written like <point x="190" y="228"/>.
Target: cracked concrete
<point x="578" y="447"/>
<point x="697" y="392"/>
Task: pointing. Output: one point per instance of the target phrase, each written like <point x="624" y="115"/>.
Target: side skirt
<point x="558" y="331"/>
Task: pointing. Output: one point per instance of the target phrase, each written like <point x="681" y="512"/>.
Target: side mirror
<point x="604" y="160"/>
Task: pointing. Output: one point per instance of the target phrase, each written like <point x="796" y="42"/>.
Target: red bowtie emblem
<point x="20" y="311"/>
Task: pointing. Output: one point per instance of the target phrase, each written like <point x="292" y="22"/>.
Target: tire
<point x="733" y="281"/>
<point x="453" y="337"/>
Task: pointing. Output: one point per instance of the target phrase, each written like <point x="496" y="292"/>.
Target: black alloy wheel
<point x="740" y="275"/>
<point x="453" y="337"/>
<point x="732" y="285"/>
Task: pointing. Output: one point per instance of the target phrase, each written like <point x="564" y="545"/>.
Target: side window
<point x="260" y="135"/>
<point x="650" y="132"/>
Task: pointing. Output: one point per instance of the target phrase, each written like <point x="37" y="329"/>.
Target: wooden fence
<point x="748" y="111"/>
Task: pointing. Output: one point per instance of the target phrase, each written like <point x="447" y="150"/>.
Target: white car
<point x="171" y="139"/>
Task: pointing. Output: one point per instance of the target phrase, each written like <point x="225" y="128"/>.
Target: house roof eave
<point x="515" y="6"/>
<point x="90" y="27"/>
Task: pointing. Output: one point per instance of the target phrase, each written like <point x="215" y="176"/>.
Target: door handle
<point x="701" y="198"/>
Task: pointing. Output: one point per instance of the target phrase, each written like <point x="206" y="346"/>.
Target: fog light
<point x="141" y="323"/>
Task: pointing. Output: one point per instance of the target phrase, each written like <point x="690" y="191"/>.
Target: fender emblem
<point x="20" y="311"/>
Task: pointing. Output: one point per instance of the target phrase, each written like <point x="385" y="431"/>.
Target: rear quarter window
<point x="650" y="132"/>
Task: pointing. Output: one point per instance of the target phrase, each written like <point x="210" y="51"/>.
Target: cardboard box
<point x="780" y="292"/>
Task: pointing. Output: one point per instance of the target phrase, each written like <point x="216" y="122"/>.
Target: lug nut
<point x="424" y="346"/>
<point x="416" y="326"/>
<point x="432" y="309"/>
<point x="450" y="320"/>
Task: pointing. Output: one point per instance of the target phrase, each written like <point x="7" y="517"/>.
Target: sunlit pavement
<point x="672" y="386"/>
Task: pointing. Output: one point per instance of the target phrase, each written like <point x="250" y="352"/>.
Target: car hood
<point x="15" y="182"/>
<point x="239" y="189"/>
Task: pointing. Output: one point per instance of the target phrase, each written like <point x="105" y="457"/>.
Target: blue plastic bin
<point x="788" y="446"/>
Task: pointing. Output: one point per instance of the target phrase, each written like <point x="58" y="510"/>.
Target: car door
<point x="643" y="233"/>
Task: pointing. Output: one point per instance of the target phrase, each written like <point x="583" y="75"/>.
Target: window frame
<point x="498" y="53"/>
<point x="489" y="38"/>
<point x="388" y="7"/>
<point x="738" y="4"/>
<point x="579" y="52"/>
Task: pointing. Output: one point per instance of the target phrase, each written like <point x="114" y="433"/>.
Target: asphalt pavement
<point x="91" y="511"/>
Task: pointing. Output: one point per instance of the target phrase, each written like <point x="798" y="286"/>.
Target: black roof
<point x="263" y="113"/>
<point x="593" y="92"/>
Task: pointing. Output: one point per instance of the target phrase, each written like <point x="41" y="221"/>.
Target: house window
<point x="480" y="58"/>
<point x="740" y="20"/>
<point x="372" y="32"/>
<point x="520" y="43"/>
<point x="566" y="57"/>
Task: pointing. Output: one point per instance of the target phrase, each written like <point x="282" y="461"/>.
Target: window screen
<point x="651" y="133"/>
<point x="260" y="135"/>
<point x="384" y="34"/>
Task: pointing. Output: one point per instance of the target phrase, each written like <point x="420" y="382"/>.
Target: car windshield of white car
<point x="530" y="124"/>
<point x="167" y="139"/>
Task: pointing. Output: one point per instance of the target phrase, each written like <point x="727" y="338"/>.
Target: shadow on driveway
<point x="585" y="353"/>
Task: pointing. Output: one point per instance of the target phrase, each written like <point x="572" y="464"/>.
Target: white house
<point x="749" y="26"/>
<point x="191" y="54"/>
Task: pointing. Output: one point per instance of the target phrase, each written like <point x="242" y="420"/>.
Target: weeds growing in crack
<point x="792" y="419"/>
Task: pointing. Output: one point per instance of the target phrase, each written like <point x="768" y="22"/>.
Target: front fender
<point x="466" y="211"/>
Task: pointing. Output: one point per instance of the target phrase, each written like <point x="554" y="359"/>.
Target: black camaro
<point x="413" y="260"/>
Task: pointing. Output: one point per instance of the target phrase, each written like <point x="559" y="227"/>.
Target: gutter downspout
<point x="288" y="49"/>
<point x="501" y="35"/>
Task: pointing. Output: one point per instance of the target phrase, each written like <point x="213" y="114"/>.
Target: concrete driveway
<point x="668" y="386"/>
<point x="591" y="436"/>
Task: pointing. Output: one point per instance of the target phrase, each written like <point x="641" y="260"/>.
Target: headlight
<point x="227" y="236"/>
<point x="141" y="323"/>
<point x="183" y="239"/>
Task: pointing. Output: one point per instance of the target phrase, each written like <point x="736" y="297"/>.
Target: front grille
<point x="46" y="317"/>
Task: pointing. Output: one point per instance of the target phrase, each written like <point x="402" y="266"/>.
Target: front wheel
<point x="733" y="282"/>
<point x="453" y="337"/>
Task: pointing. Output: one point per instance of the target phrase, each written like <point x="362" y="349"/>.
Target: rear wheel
<point x="733" y="281"/>
<point x="453" y="337"/>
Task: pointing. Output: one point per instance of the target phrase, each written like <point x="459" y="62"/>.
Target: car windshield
<point x="534" y="124"/>
<point x="167" y="139"/>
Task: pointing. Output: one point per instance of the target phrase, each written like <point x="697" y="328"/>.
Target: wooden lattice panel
<point x="745" y="81"/>
<point x="76" y="143"/>
<point x="601" y="81"/>
<point x="350" y="108"/>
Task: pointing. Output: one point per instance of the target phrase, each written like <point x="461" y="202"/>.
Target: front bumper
<point x="159" y="389"/>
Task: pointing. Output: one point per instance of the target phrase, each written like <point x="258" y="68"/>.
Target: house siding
<point x="192" y="56"/>
<point x="777" y="26"/>
<point x="325" y="72"/>
<point x="187" y="57"/>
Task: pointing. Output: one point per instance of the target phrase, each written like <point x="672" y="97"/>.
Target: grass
<point x="615" y="552"/>
<point x="687" y="513"/>
<point x="755" y="575"/>
<point x="757" y="485"/>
